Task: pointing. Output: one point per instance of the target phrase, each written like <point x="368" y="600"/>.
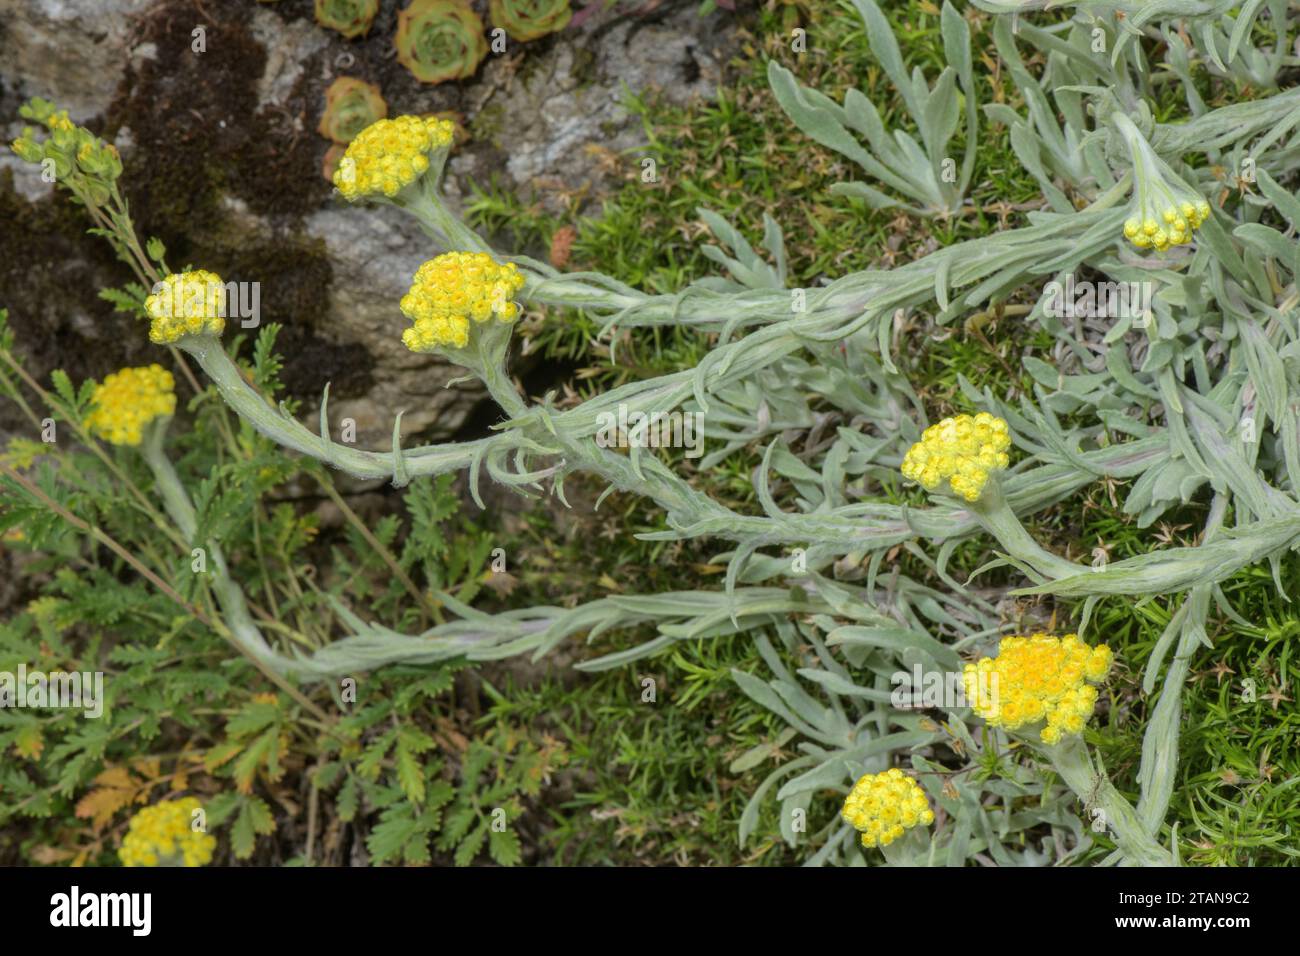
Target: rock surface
<point x="548" y="120"/>
<point x="71" y="51"/>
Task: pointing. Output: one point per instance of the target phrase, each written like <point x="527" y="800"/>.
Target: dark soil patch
<point x="50" y="276"/>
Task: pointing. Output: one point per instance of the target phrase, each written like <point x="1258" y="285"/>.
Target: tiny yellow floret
<point x="389" y="155"/>
<point x="1036" y="679"/>
<point x="164" y="835"/>
<point x="963" y="451"/>
<point x="129" y="400"/>
<point x="882" y="806"/>
<point x="452" y="289"/>
<point x="189" y="303"/>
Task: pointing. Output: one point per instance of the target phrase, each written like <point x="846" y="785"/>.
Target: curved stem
<point x="176" y="501"/>
<point x="1073" y="762"/>
<point x="997" y="518"/>
<point x="288" y="432"/>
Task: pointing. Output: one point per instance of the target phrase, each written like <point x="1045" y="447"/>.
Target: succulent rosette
<point x="440" y="40"/>
<point x="351" y="18"/>
<point x="526" y="20"/>
<point x="350" y="106"/>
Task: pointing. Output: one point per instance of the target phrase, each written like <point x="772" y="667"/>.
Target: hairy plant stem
<point x="486" y="357"/>
<point x="176" y="502"/>
<point x="1073" y="762"/>
<point x="288" y="432"/>
<point x="996" y="517"/>
<point x="217" y="625"/>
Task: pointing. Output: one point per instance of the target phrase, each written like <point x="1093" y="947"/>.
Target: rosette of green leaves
<point x="1244" y="47"/>
<point x="440" y="40"/>
<point x="351" y="18"/>
<point x="350" y="106"/>
<point x="1053" y="139"/>
<point x="528" y="20"/>
<point x="923" y="172"/>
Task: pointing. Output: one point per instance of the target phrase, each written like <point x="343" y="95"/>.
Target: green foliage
<point x="385" y="760"/>
<point x="833" y="577"/>
<point x="179" y="712"/>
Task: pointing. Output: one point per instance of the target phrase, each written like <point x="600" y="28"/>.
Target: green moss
<point x="200" y="133"/>
<point x="487" y="124"/>
<point x="51" y="272"/>
<point x="199" y="137"/>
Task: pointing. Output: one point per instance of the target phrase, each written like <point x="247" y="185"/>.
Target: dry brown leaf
<point x="98" y="806"/>
<point x="562" y="246"/>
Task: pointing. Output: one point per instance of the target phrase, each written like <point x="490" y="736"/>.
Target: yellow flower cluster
<point x="81" y="161"/>
<point x="190" y="303"/>
<point x="963" y="451"/>
<point x="128" y="400"/>
<point x="390" y="154"/>
<point x="1038" y="678"/>
<point x="452" y="289"/>
<point x="1165" y="210"/>
<point x="882" y="806"/>
<point x="1171" y="226"/>
<point x="163" y="835"/>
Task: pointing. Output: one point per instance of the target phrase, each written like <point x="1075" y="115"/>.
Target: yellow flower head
<point x="1038" y="679"/>
<point x="191" y="303"/>
<point x="963" y="451"/>
<point x="163" y="835"/>
<point x="390" y="154"/>
<point x="882" y="806"/>
<point x="452" y="289"/>
<point x="128" y="400"/>
<point x="1165" y="209"/>
<point x="81" y="160"/>
<point x="59" y="120"/>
